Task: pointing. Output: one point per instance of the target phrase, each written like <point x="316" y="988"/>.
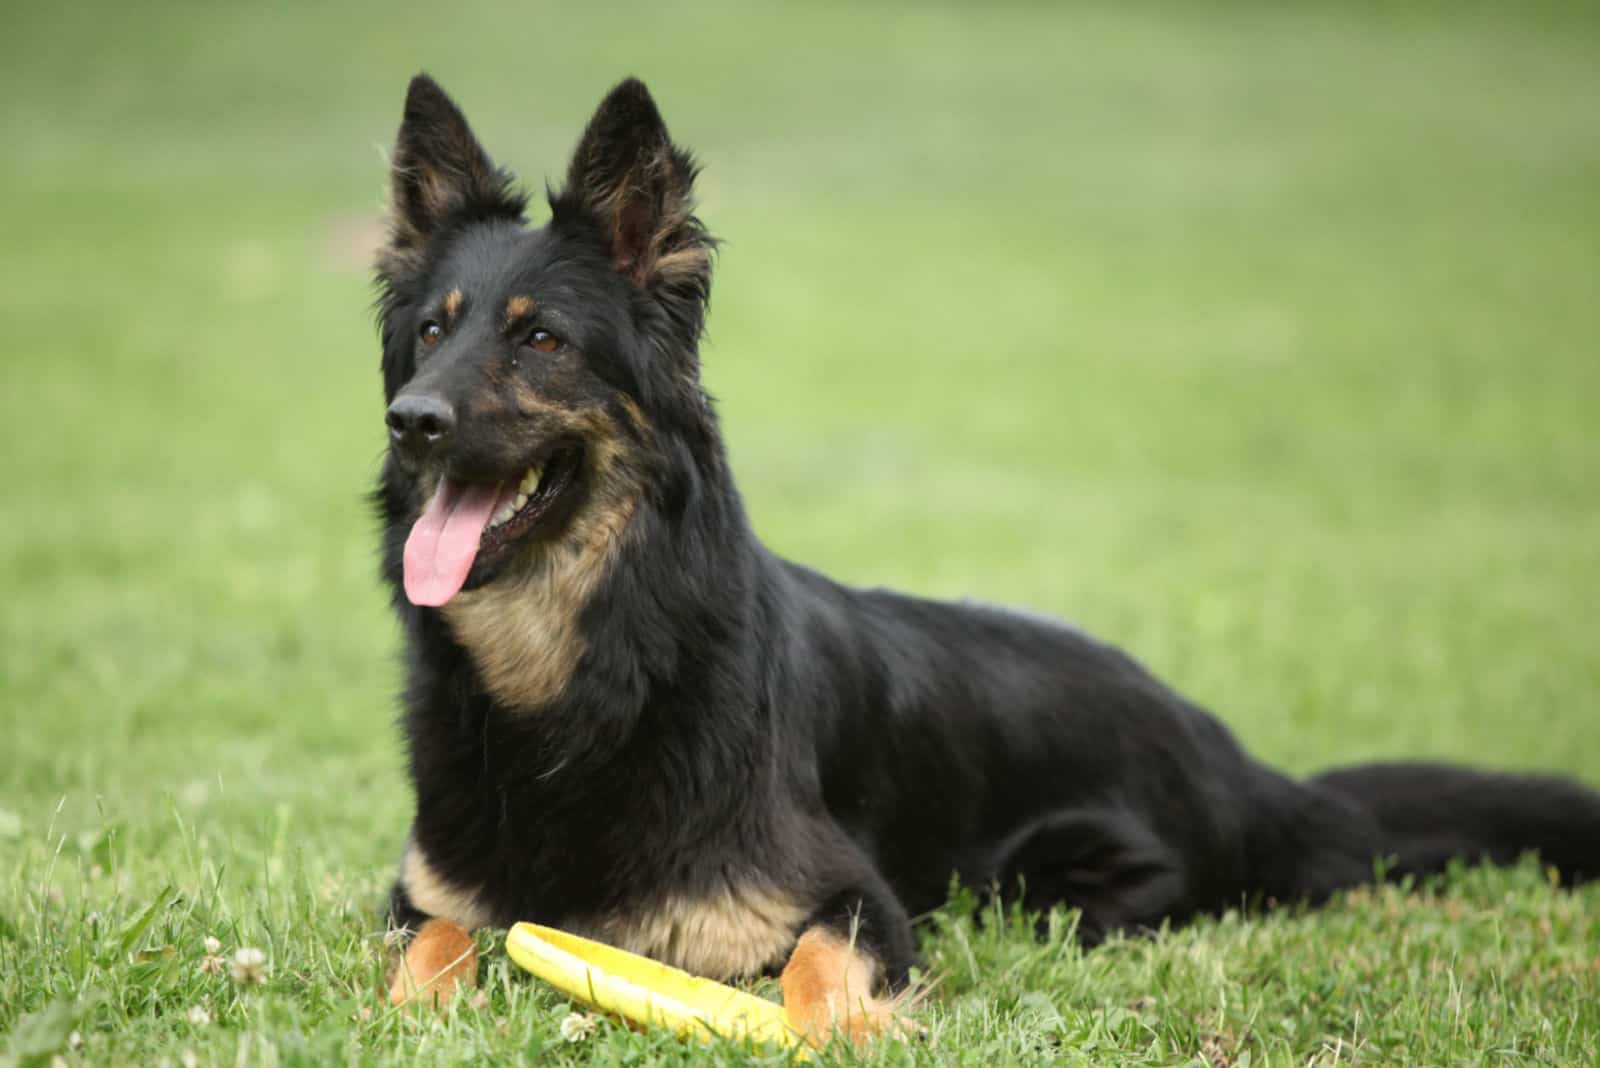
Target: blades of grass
<point x="140" y="923"/>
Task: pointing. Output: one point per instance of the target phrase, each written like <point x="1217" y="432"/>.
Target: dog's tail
<point x="1426" y="815"/>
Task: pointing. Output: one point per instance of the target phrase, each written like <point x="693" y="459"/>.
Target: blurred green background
<point x="1259" y="339"/>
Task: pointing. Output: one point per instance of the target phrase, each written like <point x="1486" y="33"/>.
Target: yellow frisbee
<point x="646" y="991"/>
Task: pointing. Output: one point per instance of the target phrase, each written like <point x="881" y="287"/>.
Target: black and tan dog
<point x="629" y="719"/>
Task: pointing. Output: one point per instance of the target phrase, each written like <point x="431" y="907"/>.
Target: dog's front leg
<point x="440" y="955"/>
<point x="851" y="959"/>
<point x="830" y="984"/>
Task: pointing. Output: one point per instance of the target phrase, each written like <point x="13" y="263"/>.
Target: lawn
<point x="1260" y="339"/>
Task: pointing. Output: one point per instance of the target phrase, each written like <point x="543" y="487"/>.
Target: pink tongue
<point x="444" y="541"/>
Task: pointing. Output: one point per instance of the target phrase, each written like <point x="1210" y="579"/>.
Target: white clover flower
<point x="199" y="1015"/>
<point x="211" y="963"/>
<point x="249" y="965"/>
<point x="578" y="1026"/>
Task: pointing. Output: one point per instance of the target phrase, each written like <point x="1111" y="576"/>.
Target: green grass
<point x="1260" y="339"/>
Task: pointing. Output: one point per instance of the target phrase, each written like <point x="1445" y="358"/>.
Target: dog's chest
<point x="731" y="933"/>
<point x="523" y="636"/>
<point x="522" y="632"/>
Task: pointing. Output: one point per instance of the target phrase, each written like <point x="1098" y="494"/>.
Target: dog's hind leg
<point x="1102" y="861"/>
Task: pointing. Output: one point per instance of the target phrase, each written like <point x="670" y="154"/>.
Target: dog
<point x="629" y="719"/>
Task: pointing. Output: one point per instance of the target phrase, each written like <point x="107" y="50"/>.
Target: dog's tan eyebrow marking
<point x="519" y="307"/>
<point x="452" y="305"/>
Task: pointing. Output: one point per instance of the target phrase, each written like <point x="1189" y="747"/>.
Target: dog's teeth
<point x="505" y="512"/>
<point x="530" y="480"/>
<point x="522" y="499"/>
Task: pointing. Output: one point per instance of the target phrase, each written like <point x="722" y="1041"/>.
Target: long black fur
<point x="738" y="717"/>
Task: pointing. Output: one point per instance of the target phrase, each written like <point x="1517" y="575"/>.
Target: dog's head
<point x="527" y="370"/>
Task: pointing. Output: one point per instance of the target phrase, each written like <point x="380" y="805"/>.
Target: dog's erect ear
<point x="638" y="186"/>
<point x="440" y="177"/>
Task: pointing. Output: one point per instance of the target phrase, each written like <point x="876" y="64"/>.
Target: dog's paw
<point x="827" y="989"/>
<point x="440" y="958"/>
<point x="860" y="1021"/>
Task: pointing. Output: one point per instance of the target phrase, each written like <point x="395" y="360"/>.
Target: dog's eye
<point x="543" y="341"/>
<point x="430" y="332"/>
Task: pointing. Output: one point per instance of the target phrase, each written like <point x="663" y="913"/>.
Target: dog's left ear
<point x="631" y="180"/>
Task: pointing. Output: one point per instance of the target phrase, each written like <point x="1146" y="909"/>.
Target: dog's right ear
<point x="440" y="177"/>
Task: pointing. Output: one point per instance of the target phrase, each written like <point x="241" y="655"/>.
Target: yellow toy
<point x="647" y="992"/>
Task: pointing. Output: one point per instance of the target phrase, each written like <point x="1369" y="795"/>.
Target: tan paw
<point x="827" y="987"/>
<point x="440" y="958"/>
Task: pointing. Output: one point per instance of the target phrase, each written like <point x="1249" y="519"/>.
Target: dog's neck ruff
<point x="522" y="631"/>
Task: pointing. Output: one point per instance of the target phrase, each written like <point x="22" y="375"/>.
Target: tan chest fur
<point x="728" y="935"/>
<point x="522" y="629"/>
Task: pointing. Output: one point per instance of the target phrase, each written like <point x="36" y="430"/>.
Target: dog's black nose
<point x="419" y="423"/>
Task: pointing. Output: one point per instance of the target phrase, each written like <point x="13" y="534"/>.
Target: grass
<point x="1260" y="339"/>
